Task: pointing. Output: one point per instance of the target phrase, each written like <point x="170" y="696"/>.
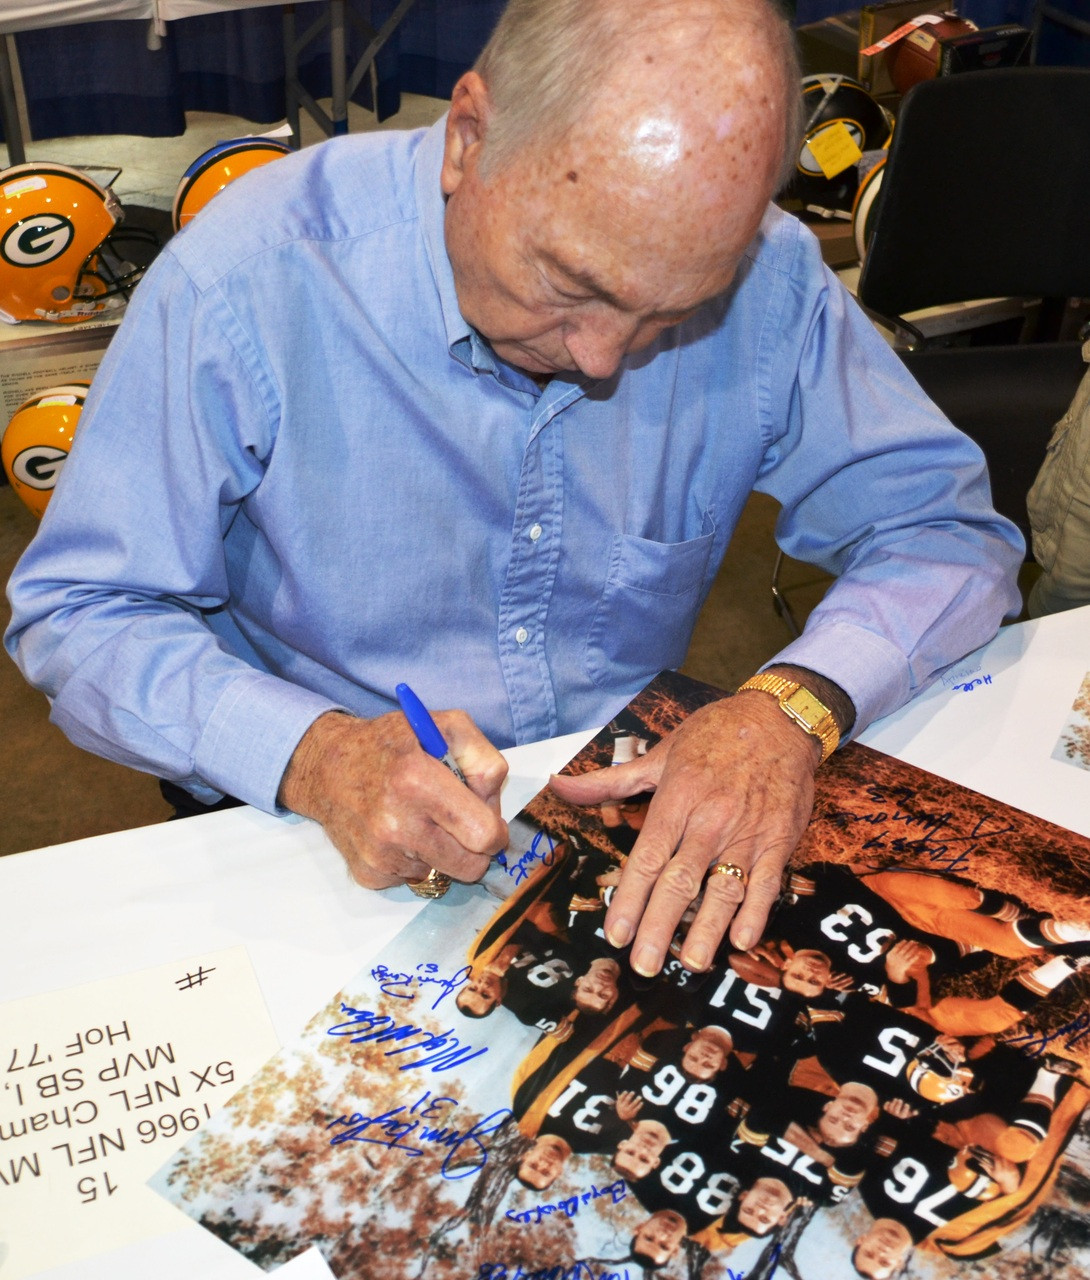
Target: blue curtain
<point x="100" y="77"/>
<point x="1058" y="45"/>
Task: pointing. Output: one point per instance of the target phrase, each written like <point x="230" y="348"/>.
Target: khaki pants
<point x="1059" y="511"/>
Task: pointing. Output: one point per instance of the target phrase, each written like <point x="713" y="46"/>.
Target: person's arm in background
<point x="878" y="489"/>
<point x="110" y="604"/>
<point x="1059" y="511"/>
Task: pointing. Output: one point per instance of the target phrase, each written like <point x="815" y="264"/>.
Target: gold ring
<point x="730" y="869"/>
<point x="434" y="885"/>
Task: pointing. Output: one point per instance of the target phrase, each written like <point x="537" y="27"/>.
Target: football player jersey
<point x="697" y="1183"/>
<point x="760" y="1019"/>
<point x="924" y="1184"/>
<point x="585" y="1115"/>
<point x="761" y="1148"/>
<point x="895" y="1053"/>
<point x="540" y="979"/>
<point x="695" y="1111"/>
<point x="829" y="909"/>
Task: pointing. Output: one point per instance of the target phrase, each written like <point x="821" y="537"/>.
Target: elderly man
<point x="477" y="408"/>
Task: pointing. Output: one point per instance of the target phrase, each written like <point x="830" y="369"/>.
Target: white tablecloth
<point x="114" y="904"/>
<point x="27" y="15"/>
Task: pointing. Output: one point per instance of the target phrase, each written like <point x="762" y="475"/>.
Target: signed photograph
<point x="1073" y="745"/>
<point x="892" y="1083"/>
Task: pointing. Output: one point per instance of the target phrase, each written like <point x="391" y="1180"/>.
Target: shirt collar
<point x="465" y="345"/>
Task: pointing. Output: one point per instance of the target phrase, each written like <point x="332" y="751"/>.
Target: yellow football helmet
<point x="37" y="440"/>
<point x="939" y="1077"/>
<point x="56" y="261"/>
<point x="216" y="168"/>
<point x="970" y="1170"/>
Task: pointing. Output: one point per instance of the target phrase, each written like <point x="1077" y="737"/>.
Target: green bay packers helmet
<point x="57" y="261"/>
<point x="872" y="170"/>
<point x="970" y="1170"/>
<point x="216" y="168"/>
<point x="36" y="442"/>
<point x="836" y="108"/>
<point x="939" y="1075"/>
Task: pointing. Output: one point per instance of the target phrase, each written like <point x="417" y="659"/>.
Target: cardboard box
<point x="34" y="357"/>
<point x="876" y="21"/>
<point x="829" y="46"/>
<point x="837" y="242"/>
<point x="1005" y="46"/>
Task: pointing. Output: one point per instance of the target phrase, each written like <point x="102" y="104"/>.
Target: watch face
<point x="803" y="703"/>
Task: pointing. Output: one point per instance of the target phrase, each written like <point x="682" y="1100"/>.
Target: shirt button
<point x="535" y="532"/>
<point x="522" y="635"/>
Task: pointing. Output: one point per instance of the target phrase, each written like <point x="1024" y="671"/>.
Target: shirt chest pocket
<point x="647" y="610"/>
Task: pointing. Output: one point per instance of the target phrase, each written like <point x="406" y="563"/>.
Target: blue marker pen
<point x="435" y="883"/>
<point x="426" y="730"/>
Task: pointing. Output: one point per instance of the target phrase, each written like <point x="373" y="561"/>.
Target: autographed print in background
<point x="893" y="1083"/>
<point x="1073" y="746"/>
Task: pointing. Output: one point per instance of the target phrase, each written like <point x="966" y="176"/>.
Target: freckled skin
<point x="570" y="274"/>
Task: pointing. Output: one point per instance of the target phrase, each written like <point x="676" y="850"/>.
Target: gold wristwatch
<point x="801" y="706"/>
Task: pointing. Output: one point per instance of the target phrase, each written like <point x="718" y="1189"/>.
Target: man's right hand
<point x="392" y="810"/>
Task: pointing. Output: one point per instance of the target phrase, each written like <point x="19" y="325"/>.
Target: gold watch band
<point x="803" y="707"/>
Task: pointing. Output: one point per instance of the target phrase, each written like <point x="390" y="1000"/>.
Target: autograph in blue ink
<point x="569" y="1206"/>
<point x="401" y="985"/>
<point x="520" y="868"/>
<point x="584" y="1271"/>
<point x="1033" y="1044"/>
<point x="402" y="1128"/>
<point x="970" y="685"/>
<point x="577" y="1271"/>
<point x="442" y="1050"/>
<point x="741" y="1275"/>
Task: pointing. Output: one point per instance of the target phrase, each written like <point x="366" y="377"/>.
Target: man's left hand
<point x="733" y="784"/>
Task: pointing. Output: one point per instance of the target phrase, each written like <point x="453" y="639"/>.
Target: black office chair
<point x="986" y="194"/>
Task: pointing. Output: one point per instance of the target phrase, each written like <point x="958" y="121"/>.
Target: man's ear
<point x="467" y="122"/>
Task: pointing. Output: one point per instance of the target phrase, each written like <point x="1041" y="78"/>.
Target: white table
<point x="28" y="15"/>
<point x="998" y="737"/>
<point x="113" y="904"/>
<point x="32" y="15"/>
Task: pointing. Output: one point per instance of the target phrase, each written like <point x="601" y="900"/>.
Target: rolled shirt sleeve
<point x="120" y="584"/>
<point x="878" y="489"/>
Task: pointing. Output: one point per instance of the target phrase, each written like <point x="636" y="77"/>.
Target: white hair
<point x="547" y="60"/>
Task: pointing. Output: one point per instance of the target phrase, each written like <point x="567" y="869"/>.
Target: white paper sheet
<point x="99" y="1084"/>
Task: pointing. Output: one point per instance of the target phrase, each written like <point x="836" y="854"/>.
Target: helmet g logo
<point x="37" y="239"/>
<point x="39" y="466"/>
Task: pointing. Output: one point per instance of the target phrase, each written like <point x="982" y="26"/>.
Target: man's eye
<point x="568" y="296"/>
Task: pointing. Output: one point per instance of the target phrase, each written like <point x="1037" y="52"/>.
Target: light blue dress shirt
<point x="301" y="478"/>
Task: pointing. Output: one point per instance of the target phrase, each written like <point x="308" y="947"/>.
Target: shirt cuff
<point x="871" y="671"/>
<point x="252" y="734"/>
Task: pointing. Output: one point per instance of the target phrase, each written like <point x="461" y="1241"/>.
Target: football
<point x="915" y="57"/>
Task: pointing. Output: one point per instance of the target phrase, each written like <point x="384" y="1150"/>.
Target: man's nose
<point x="598" y="344"/>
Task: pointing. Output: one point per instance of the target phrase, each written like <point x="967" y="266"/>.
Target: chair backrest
<point x="986" y="192"/>
<point x="1007" y="399"/>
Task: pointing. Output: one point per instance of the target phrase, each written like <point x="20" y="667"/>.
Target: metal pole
<point x="338" y="54"/>
<point x="9" y="110"/>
